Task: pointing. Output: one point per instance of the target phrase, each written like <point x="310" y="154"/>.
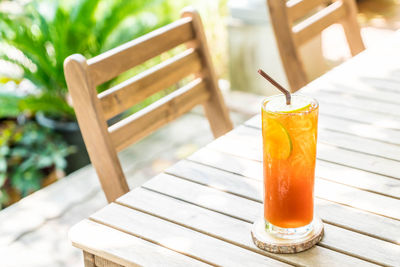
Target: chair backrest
<point x="297" y="21"/>
<point x="93" y="110"/>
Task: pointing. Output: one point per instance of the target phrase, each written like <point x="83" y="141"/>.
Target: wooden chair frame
<point x="93" y="110"/>
<point x="291" y="31"/>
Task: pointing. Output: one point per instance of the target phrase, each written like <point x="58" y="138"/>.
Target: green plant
<point x="28" y="153"/>
<point x="38" y="40"/>
<point x="9" y="105"/>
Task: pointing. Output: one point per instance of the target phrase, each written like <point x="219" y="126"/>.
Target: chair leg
<point x="91" y="260"/>
<point x="88" y="259"/>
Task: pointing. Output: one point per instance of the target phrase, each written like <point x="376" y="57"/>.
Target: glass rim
<point x="267" y="99"/>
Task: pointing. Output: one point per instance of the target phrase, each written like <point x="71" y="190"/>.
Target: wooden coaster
<point x="271" y="243"/>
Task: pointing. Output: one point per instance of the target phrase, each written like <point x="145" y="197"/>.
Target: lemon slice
<point x="298" y="104"/>
<point x="277" y="141"/>
<point x="297" y="110"/>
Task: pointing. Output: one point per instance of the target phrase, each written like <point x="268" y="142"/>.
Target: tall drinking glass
<point x="289" y="155"/>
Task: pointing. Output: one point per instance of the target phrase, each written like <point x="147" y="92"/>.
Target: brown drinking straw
<point x="277" y="85"/>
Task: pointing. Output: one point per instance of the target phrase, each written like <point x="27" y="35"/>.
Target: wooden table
<point x="200" y="211"/>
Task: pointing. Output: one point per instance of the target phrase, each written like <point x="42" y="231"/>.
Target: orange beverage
<point x="289" y="154"/>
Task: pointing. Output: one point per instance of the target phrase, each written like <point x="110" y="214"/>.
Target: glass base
<point x="298" y="239"/>
<point x="288" y="233"/>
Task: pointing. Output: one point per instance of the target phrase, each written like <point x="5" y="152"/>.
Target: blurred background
<point x="40" y="141"/>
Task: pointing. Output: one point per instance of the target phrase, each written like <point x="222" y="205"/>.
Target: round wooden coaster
<point x="271" y="243"/>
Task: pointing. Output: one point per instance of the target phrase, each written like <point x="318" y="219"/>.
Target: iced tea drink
<point x="289" y="154"/>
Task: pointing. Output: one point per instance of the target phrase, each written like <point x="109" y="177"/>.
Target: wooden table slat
<point x="247" y="142"/>
<point x="123" y="248"/>
<point x="324" y="189"/>
<point x="360" y="130"/>
<point x="349" y="127"/>
<point x="373" y="119"/>
<point x="331" y="212"/>
<point x="357" y="178"/>
<point x="211" y="198"/>
<point x="225" y="227"/>
<point x="349" y="100"/>
<point x="178" y="238"/>
<point x="363" y="145"/>
<point x="355" y="88"/>
<point x="384" y="83"/>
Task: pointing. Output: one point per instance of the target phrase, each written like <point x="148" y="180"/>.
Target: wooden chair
<point x="297" y="21"/>
<point x="93" y="110"/>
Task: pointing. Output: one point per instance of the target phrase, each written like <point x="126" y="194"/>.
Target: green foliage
<point x="9" y="105"/>
<point x="52" y="104"/>
<point x="12" y="105"/>
<point x="46" y="32"/>
<point x="27" y="154"/>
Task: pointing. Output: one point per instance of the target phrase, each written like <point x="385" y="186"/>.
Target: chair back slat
<point x="149" y="119"/>
<point x="136" y="89"/>
<point x="110" y="64"/>
<point x="299" y="8"/>
<point x="296" y="22"/>
<point x="93" y="110"/>
<point x="315" y="24"/>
